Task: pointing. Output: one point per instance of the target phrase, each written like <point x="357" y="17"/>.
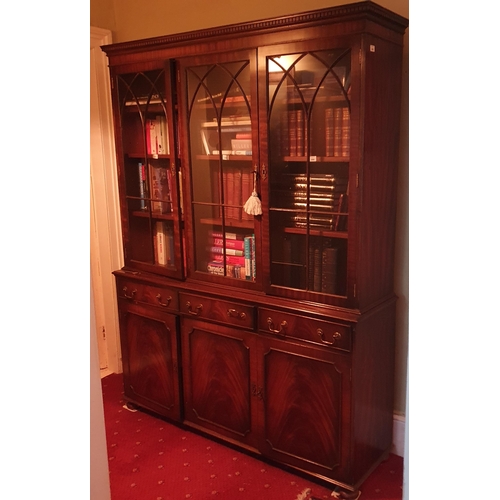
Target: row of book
<point x="321" y="265"/>
<point x="320" y="200"/>
<point x="322" y="268"/>
<point x="337" y="131"/>
<point x="234" y="255"/>
<point x="157" y="136"/>
<point x="294" y="138"/>
<point x="160" y="187"/>
<point x="238" y="186"/>
<point x="164" y="244"/>
<point x="233" y="137"/>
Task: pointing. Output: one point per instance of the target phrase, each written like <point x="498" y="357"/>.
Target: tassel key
<point x="253" y="205"/>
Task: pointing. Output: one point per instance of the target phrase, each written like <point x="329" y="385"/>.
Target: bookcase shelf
<point x="301" y="315"/>
<point x="140" y="156"/>
<point x="153" y="215"/>
<point x="225" y="157"/>
<point x="231" y="223"/>
<point x="317" y="232"/>
<point x="317" y="159"/>
<point x="151" y="108"/>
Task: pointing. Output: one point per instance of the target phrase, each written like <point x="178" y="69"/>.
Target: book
<point x="246" y="192"/>
<point x="151" y="138"/>
<point x="229" y="259"/>
<point x="248" y="258"/>
<point x="337" y="132"/>
<point x="228" y="251"/>
<point x="284" y="137"/>
<point x="142" y="184"/>
<point x="169" y="244"/>
<point x="228" y="236"/>
<point x="161" y="132"/>
<point x="159" y="189"/>
<point x="216" y="268"/>
<point x="300" y="133"/>
<point x="346" y="132"/>
<point x="329" y="270"/>
<point x="329" y="132"/>
<point x="292" y="133"/>
<point x="228" y="182"/>
<point x="252" y="257"/>
<point x="236" y="244"/>
<point x="161" y="245"/>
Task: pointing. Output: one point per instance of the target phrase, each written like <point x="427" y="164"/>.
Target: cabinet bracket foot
<point x="345" y="495"/>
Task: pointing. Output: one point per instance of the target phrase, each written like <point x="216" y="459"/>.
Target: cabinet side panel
<point x="378" y="178"/>
<point x="373" y="388"/>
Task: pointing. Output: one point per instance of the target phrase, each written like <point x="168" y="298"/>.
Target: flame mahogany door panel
<point x="217" y="376"/>
<point x="150" y="359"/>
<point x="306" y="401"/>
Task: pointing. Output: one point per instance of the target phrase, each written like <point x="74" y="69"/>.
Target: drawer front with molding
<point x="285" y="325"/>
<point x="223" y="311"/>
<point x="147" y="294"/>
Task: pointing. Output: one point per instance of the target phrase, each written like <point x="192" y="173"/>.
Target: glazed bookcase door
<point x="149" y="175"/>
<point x="308" y="120"/>
<point x="222" y="152"/>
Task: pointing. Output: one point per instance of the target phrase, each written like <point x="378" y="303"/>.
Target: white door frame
<point x="106" y="253"/>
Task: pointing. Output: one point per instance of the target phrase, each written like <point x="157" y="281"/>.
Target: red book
<point x="230" y="259"/>
<point x="237" y="244"/>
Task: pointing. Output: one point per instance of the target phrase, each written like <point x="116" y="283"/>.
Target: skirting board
<point x="398" y="435"/>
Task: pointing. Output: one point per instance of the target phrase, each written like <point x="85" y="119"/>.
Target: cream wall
<point x="131" y="20"/>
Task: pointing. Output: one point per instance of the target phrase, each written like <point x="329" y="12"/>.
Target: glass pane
<point x="221" y="167"/>
<point x="147" y="173"/>
<point x="309" y="142"/>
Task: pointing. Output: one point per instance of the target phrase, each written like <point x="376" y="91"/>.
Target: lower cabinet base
<point x="310" y="393"/>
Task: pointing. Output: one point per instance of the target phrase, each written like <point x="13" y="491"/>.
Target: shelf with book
<point x="148" y="180"/>
<point x="220" y="145"/>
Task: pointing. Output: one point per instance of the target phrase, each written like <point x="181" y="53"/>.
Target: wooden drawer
<point x="147" y="294"/>
<point x="287" y="325"/>
<point x="223" y="311"/>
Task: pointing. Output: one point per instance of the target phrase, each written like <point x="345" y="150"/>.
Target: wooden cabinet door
<point x="217" y="376"/>
<point x="150" y="359"/>
<point x="306" y="405"/>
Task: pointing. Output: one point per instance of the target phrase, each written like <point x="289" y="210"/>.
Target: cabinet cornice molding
<point x="366" y="10"/>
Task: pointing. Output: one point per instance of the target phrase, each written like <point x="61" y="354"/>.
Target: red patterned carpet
<point x="150" y="459"/>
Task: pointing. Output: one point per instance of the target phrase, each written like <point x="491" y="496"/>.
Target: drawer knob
<point x="281" y="330"/>
<point x="164" y="304"/>
<point x="132" y="293"/>
<point x="199" y="308"/>
<point x="335" y="336"/>
<point x="233" y="313"/>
